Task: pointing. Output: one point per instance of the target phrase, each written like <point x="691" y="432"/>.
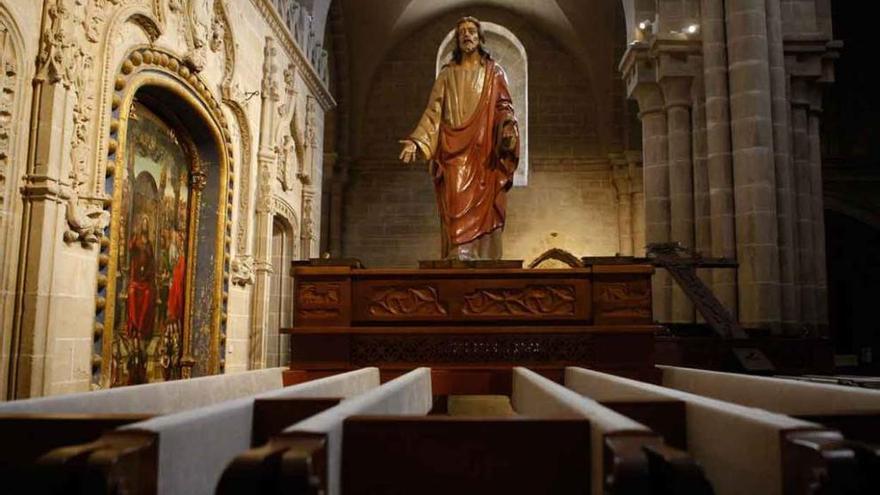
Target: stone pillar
<point x="814" y="128"/>
<point x="702" y="209"/>
<point x="809" y="63"/>
<point x="641" y="80"/>
<point x="266" y="158"/>
<point x="337" y="206"/>
<point x="718" y="149"/>
<point x="677" y="94"/>
<point x="753" y="165"/>
<point x="656" y="180"/>
<point x="42" y="221"/>
<point x="805" y="251"/>
<point x="637" y="221"/>
<point x="785" y="201"/>
<point x="623" y="185"/>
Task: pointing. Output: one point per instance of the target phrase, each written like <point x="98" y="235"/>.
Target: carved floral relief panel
<point x="9" y="93"/>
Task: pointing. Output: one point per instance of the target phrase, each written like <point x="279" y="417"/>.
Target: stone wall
<point x="390" y="216"/>
<point x="267" y="104"/>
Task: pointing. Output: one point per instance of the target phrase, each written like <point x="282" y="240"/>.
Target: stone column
<point x="809" y="63"/>
<point x="266" y="158"/>
<point x="814" y="128"/>
<point x="805" y="251"/>
<point x="42" y="221"/>
<point x="677" y="93"/>
<point x="641" y="80"/>
<point x="656" y="180"/>
<point x="637" y="221"/>
<point x="785" y="201"/>
<point x="337" y="206"/>
<point x="753" y="164"/>
<point x="623" y="185"/>
<point x="718" y="149"/>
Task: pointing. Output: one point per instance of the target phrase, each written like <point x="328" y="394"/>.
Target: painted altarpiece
<point x="168" y="256"/>
<point x="153" y="248"/>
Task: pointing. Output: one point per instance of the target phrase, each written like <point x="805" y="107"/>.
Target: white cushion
<point x="534" y="395"/>
<point x="738" y="446"/>
<point x="409" y="394"/>
<point x="774" y="394"/>
<point x="196" y="445"/>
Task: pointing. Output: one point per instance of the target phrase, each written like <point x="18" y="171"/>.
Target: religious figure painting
<point x="152" y="254"/>
<point x="469" y="135"/>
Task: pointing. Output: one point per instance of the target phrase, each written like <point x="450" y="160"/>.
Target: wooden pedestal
<point x="471" y="325"/>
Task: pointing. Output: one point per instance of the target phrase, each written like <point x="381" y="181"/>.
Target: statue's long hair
<point x="457" y="53"/>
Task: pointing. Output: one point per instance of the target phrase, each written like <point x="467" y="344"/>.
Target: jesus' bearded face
<point x="468" y="37"/>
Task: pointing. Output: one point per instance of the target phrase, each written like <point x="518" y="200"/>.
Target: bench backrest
<point x="773" y="394"/>
<point x="189" y="449"/>
<point x="440" y="455"/>
<point x="154" y="398"/>
<point x="739" y="447"/>
<point x="536" y="396"/>
<point x="409" y="394"/>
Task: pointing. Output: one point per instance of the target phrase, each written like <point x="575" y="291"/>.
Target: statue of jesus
<point x="470" y="136"/>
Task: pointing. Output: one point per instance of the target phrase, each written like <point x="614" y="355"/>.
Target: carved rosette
<point x="412" y="301"/>
<point x="162" y="64"/>
<point x="534" y="300"/>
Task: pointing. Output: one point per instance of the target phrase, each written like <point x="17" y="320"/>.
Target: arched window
<point x="510" y="53"/>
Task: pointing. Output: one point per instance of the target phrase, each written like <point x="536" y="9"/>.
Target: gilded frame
<point x="150" y="67"/>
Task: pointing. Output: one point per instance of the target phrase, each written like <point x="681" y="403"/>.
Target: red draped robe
<point x="471" y="170"/>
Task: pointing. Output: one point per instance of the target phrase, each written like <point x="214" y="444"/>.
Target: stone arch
<point x="151" y="21"/>
<point x="160" y="77"/>
<point x="507" y="50"/>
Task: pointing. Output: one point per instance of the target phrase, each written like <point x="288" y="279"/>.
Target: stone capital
<point x="638" y="68"/>
<point x="811" y="58"/>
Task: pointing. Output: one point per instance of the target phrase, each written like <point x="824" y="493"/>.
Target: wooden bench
<point x="625" y="456"/>
<point x="383" y="442"/>
<point x="307" y="455"/>
<point x="743" y="449"/>
<point x="854" y="411"/>
<point x="32" y="427"/>
<point x="186" y="452"/>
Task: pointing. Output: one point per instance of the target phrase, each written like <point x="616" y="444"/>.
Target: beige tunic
<point x="453" y="100"/>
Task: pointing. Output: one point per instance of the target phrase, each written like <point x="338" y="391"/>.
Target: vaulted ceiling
<point x="588" y="29"/>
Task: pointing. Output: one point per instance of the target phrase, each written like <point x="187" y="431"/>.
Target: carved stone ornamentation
<point x="311" y="123"/>
<point x="10" y="81"/>
<point x="406" y="301"/>
<point x="219" y="27"/>
<point x="86" y="220"/>
<point x="307" y="230"/>
<point x="547" y="300"/>
<point x="287" y="160"/>
<point x="243" y="270"/>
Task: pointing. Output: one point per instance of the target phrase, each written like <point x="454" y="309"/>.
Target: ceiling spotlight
<point x="693" y="29"/>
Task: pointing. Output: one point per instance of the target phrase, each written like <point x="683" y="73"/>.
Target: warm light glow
<point x="645" y="25"/>
<point x="693" y="29"/>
